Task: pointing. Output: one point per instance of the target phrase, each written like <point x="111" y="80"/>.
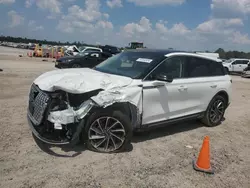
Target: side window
<point x="245" y="62"/>
<point x="216" y="68"/>
<point x="237" y="62"/>
<point x="171" y="67"/>
<point x="198" y="67"/>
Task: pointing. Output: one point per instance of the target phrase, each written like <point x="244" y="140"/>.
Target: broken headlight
<point x="59" y="101"/>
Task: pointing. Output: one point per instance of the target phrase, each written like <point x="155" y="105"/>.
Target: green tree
<point x="221" y="52"/>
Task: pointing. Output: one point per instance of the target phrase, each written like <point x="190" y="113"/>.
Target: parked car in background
<point x="84" y="59"/>
<point x="236" y="65"/>
<point x="73" y="50"/>
<point x="89" y="49"/>
<point x="111" y="49"/>
<point x="132" y="91"/>
<point x="246" y="72"/>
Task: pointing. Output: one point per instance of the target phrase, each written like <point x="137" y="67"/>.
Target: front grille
<point x="38" y="101"/>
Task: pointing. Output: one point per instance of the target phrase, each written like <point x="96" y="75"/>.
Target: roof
<point x="169" y="52"/>
<point x="159" y="51"/>
<point x="240" y="59"/>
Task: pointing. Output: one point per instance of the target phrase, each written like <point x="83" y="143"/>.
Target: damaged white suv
<point x="131" y="91"/>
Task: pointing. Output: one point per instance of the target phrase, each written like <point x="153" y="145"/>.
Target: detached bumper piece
<point x="40" y="104"/>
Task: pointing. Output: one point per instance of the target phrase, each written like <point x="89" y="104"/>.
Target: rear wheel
<point x="108" y="131"/>
<point x="215" y="111"/>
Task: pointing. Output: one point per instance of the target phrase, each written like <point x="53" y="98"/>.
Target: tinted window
<point x="171" y="67"/>
<point x="245" y="62"/>
<point x="197" y="67"/>
<point x="216" y="68"/>
<point x="237" y="62"/>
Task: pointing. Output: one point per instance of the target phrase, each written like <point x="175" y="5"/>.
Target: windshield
<point x="130" y="64"/>
<point x="81" y="48"/>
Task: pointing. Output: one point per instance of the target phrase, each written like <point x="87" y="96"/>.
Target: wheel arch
<point x="224" y="94"/>
<point x="125" y="107"/>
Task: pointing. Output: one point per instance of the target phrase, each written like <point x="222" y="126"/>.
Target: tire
<point x="208" y="117"/>
<point x="114" y="116"/>
<point x="76" y="66"/>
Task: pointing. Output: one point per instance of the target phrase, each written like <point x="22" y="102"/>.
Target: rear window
<point x="200" y="67"/>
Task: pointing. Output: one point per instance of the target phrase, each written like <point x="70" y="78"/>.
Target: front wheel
<point x="107" y="131"/>
<point x="215" y="111"/>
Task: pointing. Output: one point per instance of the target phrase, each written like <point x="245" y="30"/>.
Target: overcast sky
<point x="179" y="24"/>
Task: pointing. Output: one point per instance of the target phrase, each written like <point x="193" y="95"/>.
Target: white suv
<point x="131" y="91"/>
<point x="236" y="65"/>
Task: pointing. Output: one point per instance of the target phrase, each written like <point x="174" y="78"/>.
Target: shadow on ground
<point x="138" y="137"/>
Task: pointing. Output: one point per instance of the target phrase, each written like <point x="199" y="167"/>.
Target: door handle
<point x="213" y="86"/>
<point x="182" y="88"/>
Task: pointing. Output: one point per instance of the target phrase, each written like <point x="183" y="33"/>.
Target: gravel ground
<point x="158" y="158"/>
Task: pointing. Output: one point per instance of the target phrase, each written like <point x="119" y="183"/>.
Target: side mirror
<point x="165" y="78"/>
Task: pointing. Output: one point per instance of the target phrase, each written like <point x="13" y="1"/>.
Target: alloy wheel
<point x="106" y="134"/>
<point x="217" y="111"/>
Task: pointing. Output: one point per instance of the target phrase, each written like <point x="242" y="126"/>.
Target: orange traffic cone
<point x="203" y="162"/>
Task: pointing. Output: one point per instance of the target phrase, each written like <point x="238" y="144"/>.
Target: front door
<point x="164" y="100"/>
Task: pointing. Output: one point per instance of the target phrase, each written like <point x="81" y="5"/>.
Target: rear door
<point x="244" y="65"/>
<point x="200" y="83"/>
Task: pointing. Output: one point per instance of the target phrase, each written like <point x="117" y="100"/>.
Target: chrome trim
<point x="38" y="102"/>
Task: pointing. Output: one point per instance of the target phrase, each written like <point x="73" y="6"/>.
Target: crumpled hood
<point x="80" y="80"/>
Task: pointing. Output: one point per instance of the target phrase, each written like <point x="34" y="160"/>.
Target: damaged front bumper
<point x="61" y="127"/>
<point x="57" y="116"/>
<point x="56" y="127"/>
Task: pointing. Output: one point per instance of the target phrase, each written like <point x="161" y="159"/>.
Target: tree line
<point x="232" y="54"/>
<point x="223" y="54"/>
<point x="36" y="41"/>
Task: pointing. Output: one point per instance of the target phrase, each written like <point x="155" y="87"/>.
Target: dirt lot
<point x="156" y="159"/>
